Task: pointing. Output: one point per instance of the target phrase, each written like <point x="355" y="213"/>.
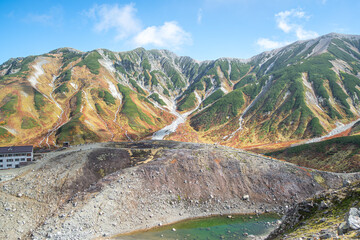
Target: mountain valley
<point x="301" y="91"/>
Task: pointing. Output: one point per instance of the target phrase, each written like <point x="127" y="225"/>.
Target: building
<point x="11" y="157"/>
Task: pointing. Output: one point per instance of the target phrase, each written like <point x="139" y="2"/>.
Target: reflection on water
<point x="220" y="227"/>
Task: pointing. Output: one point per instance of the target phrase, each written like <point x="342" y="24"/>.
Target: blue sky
<point x="201" y="29"/>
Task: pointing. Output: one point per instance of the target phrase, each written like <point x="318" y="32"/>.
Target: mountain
<point x="300" y="91"/>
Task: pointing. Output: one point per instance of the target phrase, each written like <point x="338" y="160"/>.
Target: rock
<point x="324" y="205"/>
<point x="326" y="234"/>
<point x="352" y="219"/>
<point x="343" y="228"/>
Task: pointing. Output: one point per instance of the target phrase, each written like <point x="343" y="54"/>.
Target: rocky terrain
<point x="330" y="215"/>
<point x="100" y="190"/>
<point x="295" y="93"/>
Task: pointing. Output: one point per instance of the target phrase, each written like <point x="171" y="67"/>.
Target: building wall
<point x="11" y="160"/>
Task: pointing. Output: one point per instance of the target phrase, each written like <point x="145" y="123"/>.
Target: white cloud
<point x="127" y="26"/>
<point x="303" y="34"/>
<point x="266" y="43"/>
<point x="288" y="22"/>
<point x="54" y="17"/>
<point x="169" y="35"/>
<point x="199" y="16"/>
<point x="121" y="19"/>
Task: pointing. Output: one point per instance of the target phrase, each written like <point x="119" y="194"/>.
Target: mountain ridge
<point x="295" y="92"/>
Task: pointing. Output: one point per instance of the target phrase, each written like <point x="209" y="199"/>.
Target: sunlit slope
<point x="300" y="91"/>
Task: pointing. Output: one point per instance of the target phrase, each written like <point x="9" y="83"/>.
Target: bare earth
<point x="100" y="190"/>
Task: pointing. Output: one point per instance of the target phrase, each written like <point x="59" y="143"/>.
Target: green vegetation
<point x="38" y="100"/>
<point x="213" y="97"/>
<point x="350" y="83"/>
<point x="75" y="132"/>
<point x="5" y="136"/>
<point x="238" y="70"/>
<point x="107" y="97"/>
<point x="337" y="154"/>
<point x="120" y="68"/>
<point x="9" y="107"/>
<point x="147" y="78"/>
<point x="316" y="127"/>
<point x="246" y="80"/>
<point x="187" y="103"/>
<point x="28" y="123"/>
<point x="146" y="64"/>
<point x="220" y="112"/>
<point x="136" y="86"/>
<point x="68" y="57"/>
<point x="62" y="89"/>
<point x="154" y="80"/>
<point x="91" y="62"/>
<point x="176" y="80"/>
<point x="78" y="97"/>
<point x="131" y="110"/>
<point x="3" y="132"/>
<point x="22" y="63"/>
<point x="156" y="97"/>
<point x="224" y="66"/>
<point x="208" y="83"/>
<point x="25" y="63"/>
<point x="99" y="110"/>
<point x="65" y="76"/>
<point x="166" y="92"/>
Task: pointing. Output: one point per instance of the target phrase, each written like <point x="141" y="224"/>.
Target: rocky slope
<point x="326" y="216"/>
<point x="300" y="91"/>
<point x="94" y="190"/>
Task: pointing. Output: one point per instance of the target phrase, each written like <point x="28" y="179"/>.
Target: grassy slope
<point x="220" y="112"/>
<point x="132" y="111"/>
<point x="336" y="155"/>
<point x="75" y="131"/>
<point x="315" y="219"/>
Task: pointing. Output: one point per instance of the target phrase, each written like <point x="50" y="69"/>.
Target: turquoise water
<point x="220" y="227"/>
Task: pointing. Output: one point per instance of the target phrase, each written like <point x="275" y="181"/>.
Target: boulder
<point x="352" y="218"/>
<point x="327" y="234"/>
<point x="343" y="228"/>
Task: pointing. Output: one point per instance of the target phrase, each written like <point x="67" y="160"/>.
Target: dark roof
<point x="16" y="149"/>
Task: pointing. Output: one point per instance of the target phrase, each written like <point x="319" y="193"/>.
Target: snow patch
<point x="181" y="118"/>
<point x="33" y="79"/>
<point x="10" y="130"/>
<point x="106" y="62"/>
<point x="310" y="93"/>
<point x="74" y="86"/>
<point x="113" y="89"/>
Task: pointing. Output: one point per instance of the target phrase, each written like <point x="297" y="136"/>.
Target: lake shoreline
<point x="235" y="216"/>
<point x="229" y="215"/>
